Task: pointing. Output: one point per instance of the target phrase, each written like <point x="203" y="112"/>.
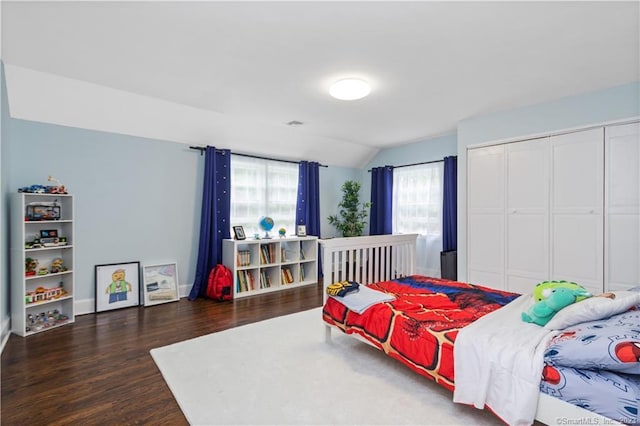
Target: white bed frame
<point x="385" y="257"/>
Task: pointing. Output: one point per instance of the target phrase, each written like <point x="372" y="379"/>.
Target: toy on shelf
<point x="44" y="320"/>
<point x="45" y="189"/>
<point x="41" y="210"/>
<point x="34" y="189"/>
<point x="57" y="266"/>
<point x="42" y="294"/>
<point x="282" y="232"/>
<point x="43" y="271"/>
<point x="30" y="266"/>
<point x="58" y="189"/>
<point x="39" y="243"/>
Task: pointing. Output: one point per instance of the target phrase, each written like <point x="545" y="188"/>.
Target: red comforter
<point x="420" y="326"/>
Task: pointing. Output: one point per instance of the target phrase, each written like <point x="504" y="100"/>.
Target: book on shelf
<point x="267" y="254"/>
<point x="244" y="258"/>
<point x="285" y="276"/>
<point x="265" y="280"/>
<point x="245" y="281"/>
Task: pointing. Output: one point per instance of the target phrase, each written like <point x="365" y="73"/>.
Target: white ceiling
<point x="431" y="64"/>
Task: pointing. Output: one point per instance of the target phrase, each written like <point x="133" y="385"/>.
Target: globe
<point x="266" y="224"/>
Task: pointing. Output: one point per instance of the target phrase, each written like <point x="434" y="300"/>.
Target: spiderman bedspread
<point x="421" y="325"/>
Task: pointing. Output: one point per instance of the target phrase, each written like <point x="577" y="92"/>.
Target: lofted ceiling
<point x="255" y="66"/>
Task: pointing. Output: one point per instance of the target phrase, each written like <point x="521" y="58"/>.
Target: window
<point x="417" y="209"/>
<point x="263" y="188"/>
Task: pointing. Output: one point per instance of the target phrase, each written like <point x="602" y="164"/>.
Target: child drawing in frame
<point x="118" y="288"/>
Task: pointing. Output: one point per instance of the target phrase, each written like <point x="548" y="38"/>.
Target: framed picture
<point x="301" y="231"/>
<point x="117" y="286"/>
<point x="160" y="283"/>
<point x="238" y="233"/>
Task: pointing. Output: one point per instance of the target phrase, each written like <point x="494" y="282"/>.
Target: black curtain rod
<point x="416" y="164"/>
<point x="202" y="149"/>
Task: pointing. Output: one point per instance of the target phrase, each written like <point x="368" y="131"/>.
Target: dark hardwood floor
<point x="99" y="371"/>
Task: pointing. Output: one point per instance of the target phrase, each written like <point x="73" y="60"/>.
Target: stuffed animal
<point x="542" y="290"/>
<point x="541" y="312"/>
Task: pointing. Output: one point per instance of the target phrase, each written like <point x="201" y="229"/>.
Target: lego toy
<point x="57" y="266"/>
<point x="30" y="266"/>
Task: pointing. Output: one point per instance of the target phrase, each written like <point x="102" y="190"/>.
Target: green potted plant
<point x="351" y="218"/>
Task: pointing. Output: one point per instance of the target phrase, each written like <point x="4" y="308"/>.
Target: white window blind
<point x="417" y="209"/>
<point x="263" y="188"/>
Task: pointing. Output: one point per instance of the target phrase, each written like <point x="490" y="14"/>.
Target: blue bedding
<point x="595" y="365"/>
<point x="613" y="395"/>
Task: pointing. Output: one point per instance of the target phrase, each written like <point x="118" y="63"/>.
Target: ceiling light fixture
<point x="350" y="89"/>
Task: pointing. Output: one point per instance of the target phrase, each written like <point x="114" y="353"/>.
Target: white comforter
<point x="498" y="362"/>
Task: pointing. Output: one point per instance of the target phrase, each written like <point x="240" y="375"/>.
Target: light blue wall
<point x="135" y="198"/>
<point x="331" y="180"/>
<point x="139" y="199"/>
<point x="428" y="150"/>
<point x="593" y="108"/>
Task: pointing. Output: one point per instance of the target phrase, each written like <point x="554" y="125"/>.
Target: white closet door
<point x="527" y="214"/>
<point x="577" y="164"/>
<point x="485" y="218"/>
<point x="622" y="206"/>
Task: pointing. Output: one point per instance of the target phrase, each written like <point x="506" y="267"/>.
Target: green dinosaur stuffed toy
<point x="542" y="290"/>
<point x="541" y="312"/>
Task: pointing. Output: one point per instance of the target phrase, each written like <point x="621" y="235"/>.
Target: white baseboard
<point x="184" y="290"/>
<point x="5" y="333"/>
<point x="87" y="306"/>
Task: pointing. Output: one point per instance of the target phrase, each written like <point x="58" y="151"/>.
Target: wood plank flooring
<point x="99" y="371"/>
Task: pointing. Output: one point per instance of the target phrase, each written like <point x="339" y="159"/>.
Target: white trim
<point x="5" y="333"/>
<point x="184" y="290"/>
<point x="88" y="306"/>
<point x="523" y="138"/>
<point x="85" y="306"/>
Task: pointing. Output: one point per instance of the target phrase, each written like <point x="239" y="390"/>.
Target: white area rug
<point x="281" y="371"/>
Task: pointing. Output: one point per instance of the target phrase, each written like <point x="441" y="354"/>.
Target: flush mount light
<point x="350" y="89"/>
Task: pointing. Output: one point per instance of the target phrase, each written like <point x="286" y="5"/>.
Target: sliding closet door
<point x="577" y="178"/>
<point x="527" y="214"/>
<point x="485" y="216"/>
<point x="622" y="206"/>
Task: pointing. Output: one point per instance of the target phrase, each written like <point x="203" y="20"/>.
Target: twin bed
<point x="470" y="339"/>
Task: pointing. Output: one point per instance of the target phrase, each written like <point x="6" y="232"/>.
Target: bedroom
<point x="82" y="149"/>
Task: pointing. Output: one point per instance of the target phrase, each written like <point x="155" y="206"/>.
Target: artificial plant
<point x="351" y="218"/>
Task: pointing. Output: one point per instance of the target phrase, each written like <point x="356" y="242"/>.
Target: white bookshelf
<point x="41" y="302"/>
<point x="267" y="265"/>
